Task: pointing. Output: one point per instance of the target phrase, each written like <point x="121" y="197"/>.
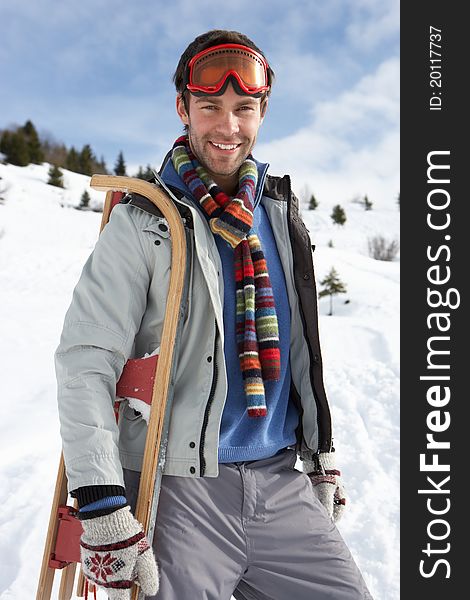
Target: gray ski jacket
<point x="117" y="313"/>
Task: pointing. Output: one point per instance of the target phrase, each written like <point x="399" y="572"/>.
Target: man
<point x="235" y="516"/>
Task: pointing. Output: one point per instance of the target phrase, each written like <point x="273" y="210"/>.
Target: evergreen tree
<point x="140" y="173"/>
<point x="120" y="166"/>
<point x="312" y="205"/>
<point x="330" y="244"/>
<point x="14" y="146"/>
<point x="148" y="174"/>
<point x="72" y="162"/>
<point x="86" y="160"/>
<point x="101" y="167"/>
<point x="55" y="176"/>
<point x="84" y="200"/>
<point x="36" y="154"/>
<point x="21" y="145"/>
<point x="338" y="215"/>
<point x="333" y="285"/>
<point x="367" y="203"/>
<point x="398" y="200"/>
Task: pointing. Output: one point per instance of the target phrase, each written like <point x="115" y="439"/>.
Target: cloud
<point x="374" y="22"/>
<point x="351" y="143"/>
<point x="369" y="105"/>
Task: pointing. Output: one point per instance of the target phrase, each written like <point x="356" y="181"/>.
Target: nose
<point x="228" y="124"/>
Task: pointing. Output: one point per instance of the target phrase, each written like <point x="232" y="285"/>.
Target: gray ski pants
<point x="257" y="532"/>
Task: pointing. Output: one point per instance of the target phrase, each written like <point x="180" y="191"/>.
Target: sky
<point x="100" y="72"/>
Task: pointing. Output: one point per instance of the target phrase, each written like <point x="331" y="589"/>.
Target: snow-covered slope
<point x="43" y="245"/>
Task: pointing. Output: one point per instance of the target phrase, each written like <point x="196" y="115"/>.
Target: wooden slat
<point x="80" y="591"/>
<point x="67" y="580"/>
<point x="107" y="208"/>
<point x="46" y="577"/>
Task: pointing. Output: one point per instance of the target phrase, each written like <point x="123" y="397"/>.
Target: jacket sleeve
<point x="108" y="303"/>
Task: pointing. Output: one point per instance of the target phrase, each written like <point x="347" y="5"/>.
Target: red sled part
<point x="67" y="545"/>
<point x="137" y="379"/>
<point x="115" y="199"/>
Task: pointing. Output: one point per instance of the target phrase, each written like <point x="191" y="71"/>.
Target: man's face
<point x="222" y="132"/>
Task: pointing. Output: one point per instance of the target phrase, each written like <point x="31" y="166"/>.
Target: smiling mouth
<point x="227" y="147"/>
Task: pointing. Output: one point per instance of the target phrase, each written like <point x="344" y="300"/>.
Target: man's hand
<point x="327" y="484"/>
<point x="115" y="554"/>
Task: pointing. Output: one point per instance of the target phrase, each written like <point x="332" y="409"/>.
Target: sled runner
<point x="147" y="379"/>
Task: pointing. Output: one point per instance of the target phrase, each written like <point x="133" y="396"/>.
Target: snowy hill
<point x="43" y="246"/>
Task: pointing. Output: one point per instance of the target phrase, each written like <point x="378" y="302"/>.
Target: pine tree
<point x="367" y="203"/>
<point x="86" y="160"/>
<point x="338" y="215"/>
<point x="36" y="154"/>
<point x="21" y="145"/>
<point x="55" y="176"/>
<point x="398" y="200"/>
<point x="140" y="173"/>
<point x="148" y="174"/>
<point x="101" y="167"/>
<point x="333" y="285"/>
<point x="312" y="205"/>
<point x="120" y="166"/>
<point x="330" y="244"/>
<point x="14" y="145"/>
<point x="72" y="162"/>
<point x="84" y="200"/>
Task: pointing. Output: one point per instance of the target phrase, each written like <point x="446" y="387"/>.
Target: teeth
<point x="226" y="146"/>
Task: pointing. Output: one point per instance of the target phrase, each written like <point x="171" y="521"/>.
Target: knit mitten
<point x="115" y="554"/>
<point x="327" y="484"/>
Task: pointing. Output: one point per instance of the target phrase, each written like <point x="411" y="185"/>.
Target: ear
<point x="264" y="108"/>
<point x="181" y="110"/>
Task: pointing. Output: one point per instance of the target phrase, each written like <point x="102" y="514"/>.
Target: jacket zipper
<point x="215" y="374"/>
<point x="302" y="316"/>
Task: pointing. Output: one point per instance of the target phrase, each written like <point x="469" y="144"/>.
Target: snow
<point x="43" y="246"/>
<point x="141" y="407"/>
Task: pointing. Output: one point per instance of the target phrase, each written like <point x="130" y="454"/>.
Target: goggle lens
<point x="209" y="69"/>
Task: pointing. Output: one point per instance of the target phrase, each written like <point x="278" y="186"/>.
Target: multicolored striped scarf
<point x="256" y="320"/>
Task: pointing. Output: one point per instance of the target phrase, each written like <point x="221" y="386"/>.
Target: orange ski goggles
<point x="209" y="71"/>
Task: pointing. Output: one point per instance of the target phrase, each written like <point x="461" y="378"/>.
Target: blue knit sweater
<point x="243" y="437"/>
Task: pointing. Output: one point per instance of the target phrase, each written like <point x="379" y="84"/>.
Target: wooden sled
<point x="62" y="550"/>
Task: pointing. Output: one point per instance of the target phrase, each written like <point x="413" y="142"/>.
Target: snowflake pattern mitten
<point x="116" y="554"/>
